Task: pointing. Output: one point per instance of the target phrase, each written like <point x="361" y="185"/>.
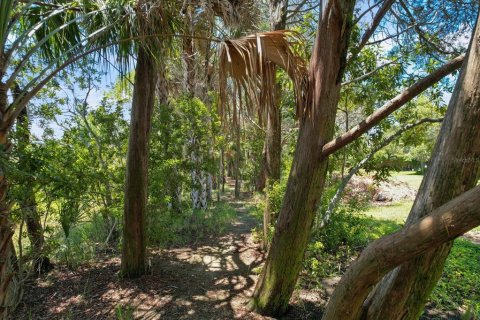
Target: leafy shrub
<point x="75" y="249"/>
<point x="169" y="227"/>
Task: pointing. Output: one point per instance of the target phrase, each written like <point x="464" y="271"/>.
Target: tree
<point x="273" y="136"/>
<point x="441" y="225"/>
<point x="134" y="245"/>
<point x="453" y="170"/>
<point x="307" y="176"/>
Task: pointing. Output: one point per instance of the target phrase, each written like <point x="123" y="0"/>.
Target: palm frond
<point x="250" y="62"/>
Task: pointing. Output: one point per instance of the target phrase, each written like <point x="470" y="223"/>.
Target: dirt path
<point x="212" y="280"/>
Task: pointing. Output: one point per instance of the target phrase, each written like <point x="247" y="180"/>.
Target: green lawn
<point x="410" y="177"/>
<point x="397" y="211"/>
<point x="459" y="287"/>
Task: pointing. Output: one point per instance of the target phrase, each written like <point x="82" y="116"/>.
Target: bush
<point x="170" y="228"/>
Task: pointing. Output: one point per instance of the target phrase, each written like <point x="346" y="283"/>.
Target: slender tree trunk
<point x="134" y="246"/>
<point x="238" y="183"/>
<point x="453" y="170"/>
<point x="27" y="201"/>
<point x="261" y="179"/>
<point x="309" y="168"/>
<point x="273" y="137"/>
<point x="222" y="170"/>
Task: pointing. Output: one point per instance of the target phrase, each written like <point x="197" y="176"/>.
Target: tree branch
<point x="443" y="224"/>
<point x="392" y="105"/>
<point x="354" y="170"/>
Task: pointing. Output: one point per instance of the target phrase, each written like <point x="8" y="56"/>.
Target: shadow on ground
<point x="212" y="280"/>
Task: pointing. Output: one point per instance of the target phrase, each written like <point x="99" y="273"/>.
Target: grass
<point x="459" y="287"/>
<point x="410" y="177"/>
<point x="397" y="212"/>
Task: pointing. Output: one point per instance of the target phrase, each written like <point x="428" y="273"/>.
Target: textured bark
<point x="453" y="170"/>
<point x="442" y="225"/>
<point x="307" y="175"/>
<point x="9" y="291"/>
<point x="134" y="246"/>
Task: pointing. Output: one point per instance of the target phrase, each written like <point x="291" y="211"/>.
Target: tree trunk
<point x="309" y="168"/>
<point x="238" y="182"/>
<point x="10" y="292"/>
<point x="455" y="163"/>
<point x="134" y="246"/>
<point x="273" y="137"/>
<point x="443" y="224"/>
<point x="27" y="201"/>
<point x="261" y="179"/>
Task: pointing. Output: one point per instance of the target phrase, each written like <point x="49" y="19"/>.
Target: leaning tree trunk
<point x="27" y="201"/>
<point x="273" y="137"/>
<point x="453" y="170"/>
<point x="309" y="168"/>
<point x="134" y="246"/>
<point x="442" y="225"/>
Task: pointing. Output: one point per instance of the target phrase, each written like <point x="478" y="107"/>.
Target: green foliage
<point x="74" y="249"/>
<point x="124" y="312"/>
<point x="168" y="227"/>
<point x="458" y="288"/>
<point x="333" y="247"/>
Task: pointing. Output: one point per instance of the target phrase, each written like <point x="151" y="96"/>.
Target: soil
<point x="212" y="279"/>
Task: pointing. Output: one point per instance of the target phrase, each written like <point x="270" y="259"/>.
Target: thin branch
<point x="357" y="20"/>
<point x="369" y="32"/>
<point x="354" y="170"/>
<point x="368" y="74"/>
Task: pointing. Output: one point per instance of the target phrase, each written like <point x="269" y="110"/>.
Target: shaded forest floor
<point x="212" y="279"/>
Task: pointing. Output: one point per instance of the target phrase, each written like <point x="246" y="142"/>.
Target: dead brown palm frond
<point x="250" y="62"/>
<point x="240" y="14"/>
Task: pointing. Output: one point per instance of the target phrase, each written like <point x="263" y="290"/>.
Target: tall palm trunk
<point x="134" y="246"/>
<point x="273" y="137"/>
<point x="453" y="170"/>
<point x="309" y="168"/>
<point x="9" y="290"/>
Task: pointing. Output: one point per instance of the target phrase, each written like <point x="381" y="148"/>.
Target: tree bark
<point x="134" y="246"/>
<point x="442" y="225"/>
<point x="308" y="172"/>
<point x="455" y="164"/>
<point x="10" y="291"/>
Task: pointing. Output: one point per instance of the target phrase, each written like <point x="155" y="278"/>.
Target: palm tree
<point x="58" y="40"/>
<point x="64" y="33"/>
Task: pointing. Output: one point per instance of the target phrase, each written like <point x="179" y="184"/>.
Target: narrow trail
<point x="210" y="280"/>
